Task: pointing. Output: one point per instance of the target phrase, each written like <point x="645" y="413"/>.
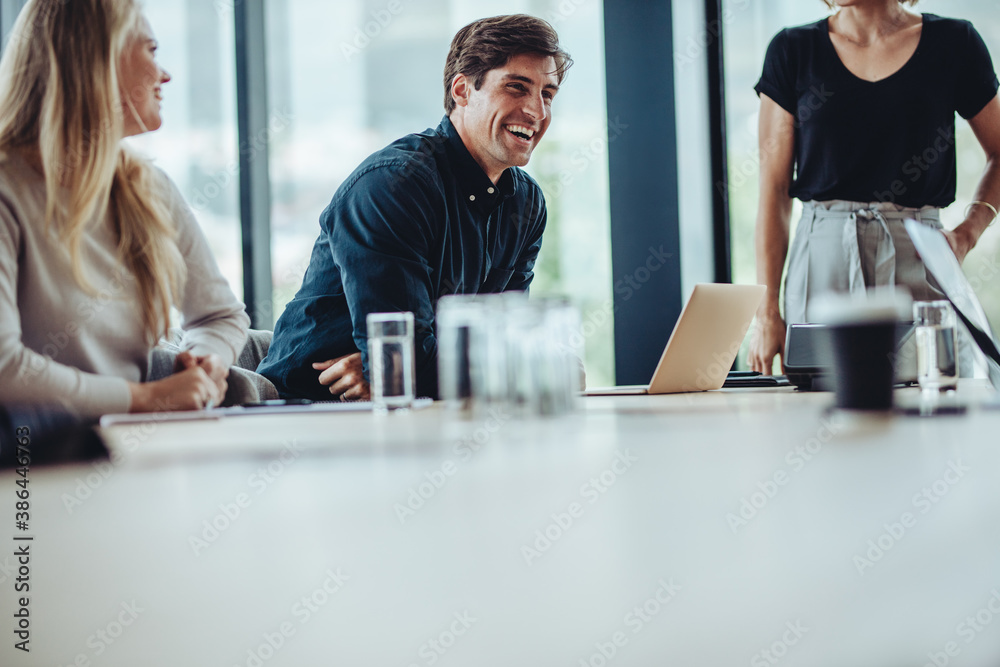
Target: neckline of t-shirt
<point x="826" y="35"/>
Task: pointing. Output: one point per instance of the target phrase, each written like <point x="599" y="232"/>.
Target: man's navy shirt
<point x="415" y="221"/>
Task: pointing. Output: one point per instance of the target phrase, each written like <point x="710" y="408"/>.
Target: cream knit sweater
<point x="62" y="344"/>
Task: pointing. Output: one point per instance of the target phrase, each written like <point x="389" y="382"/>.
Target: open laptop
<point x="704" y="342"/>
<point x="940" y="260"/>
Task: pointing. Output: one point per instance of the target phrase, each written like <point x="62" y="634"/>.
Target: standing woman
<point x="96" y="244"/>
<point x="857" y="120"/>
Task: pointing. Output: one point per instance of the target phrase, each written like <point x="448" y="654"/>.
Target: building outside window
<point x="197" y="144"/>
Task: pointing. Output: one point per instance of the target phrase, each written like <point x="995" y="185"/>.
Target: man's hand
<point x="345" y="377"/>
<point x="210" y="363"/>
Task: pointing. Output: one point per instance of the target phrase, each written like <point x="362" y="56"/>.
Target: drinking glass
<point x="461" y="329"/>
<point x="390" y="360"/>
<point x="504" y="351"/>
<point x="937" y="361"/>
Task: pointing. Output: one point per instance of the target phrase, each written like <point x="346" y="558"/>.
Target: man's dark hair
<point x="490" y="43"/>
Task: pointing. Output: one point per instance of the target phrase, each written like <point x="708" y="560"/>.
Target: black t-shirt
<point x="889" y="140"/>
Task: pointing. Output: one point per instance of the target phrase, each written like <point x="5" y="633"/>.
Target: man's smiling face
<point x="503" y="121"/>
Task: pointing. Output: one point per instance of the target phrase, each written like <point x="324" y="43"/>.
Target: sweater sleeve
<point x="214" y="320"/>
<point x="26" y="376"/>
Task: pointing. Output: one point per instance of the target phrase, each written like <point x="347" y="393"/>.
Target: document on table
<point x="240" y="411"/>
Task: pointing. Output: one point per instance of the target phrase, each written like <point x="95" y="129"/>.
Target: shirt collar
<point x="475" y="186"/>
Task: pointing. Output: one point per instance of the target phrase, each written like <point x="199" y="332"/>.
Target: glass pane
<point x="349" y="77"/>
<point x="749" y="28"/>
<point x="196" y="145"/>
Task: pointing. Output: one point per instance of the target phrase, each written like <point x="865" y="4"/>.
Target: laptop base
<point x="624" y="390"/>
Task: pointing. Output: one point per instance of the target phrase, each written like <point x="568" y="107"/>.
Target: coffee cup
<point x="861" y="340"/>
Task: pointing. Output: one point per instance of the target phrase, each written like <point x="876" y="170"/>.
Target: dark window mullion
<point x="719" y="145"/>
<point x="255" y="187"/>
<point x="643" y="170"/>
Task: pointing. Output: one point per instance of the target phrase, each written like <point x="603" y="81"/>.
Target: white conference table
<point x="726" y="528"/>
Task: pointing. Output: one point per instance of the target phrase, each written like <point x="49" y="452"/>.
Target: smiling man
<point x="445" y="211"/>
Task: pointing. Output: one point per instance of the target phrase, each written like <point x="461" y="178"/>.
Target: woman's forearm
<point x="774" y="209"/>
<point x="986" y="126"/>
<point x="773" y="220"/>
<point x="978" y="217"/>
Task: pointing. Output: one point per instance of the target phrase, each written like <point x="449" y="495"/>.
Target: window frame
<point x="255" y="180"/>
<point x="643" y="182"/>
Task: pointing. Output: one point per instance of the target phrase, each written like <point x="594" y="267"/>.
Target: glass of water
<point x="390" y="360"/>
<point x="937" y="359"/>
<point x="461" y="329"/>
<point x="543" y="365"/>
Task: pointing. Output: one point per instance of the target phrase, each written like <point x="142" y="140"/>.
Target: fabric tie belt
<point x="880" y="254"/>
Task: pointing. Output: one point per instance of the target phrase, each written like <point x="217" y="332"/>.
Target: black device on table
<point x="273" y="402"/>
<point x="744" y="379"/>
<point x="808" y="362"/>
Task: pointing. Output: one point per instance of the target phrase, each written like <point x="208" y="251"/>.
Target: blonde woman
<point x="96" y="245"/>
<point x="857" y="120"/>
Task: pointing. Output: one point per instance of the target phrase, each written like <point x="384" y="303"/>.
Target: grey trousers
<point x="854" y="247"/>
<point x="843" y="246"/>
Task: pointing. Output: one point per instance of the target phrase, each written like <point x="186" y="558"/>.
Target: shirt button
<point x="472" y="197"/>
<point x="490" y="190"/>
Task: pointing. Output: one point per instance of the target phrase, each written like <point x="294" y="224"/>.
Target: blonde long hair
<point x="60" y="101"/>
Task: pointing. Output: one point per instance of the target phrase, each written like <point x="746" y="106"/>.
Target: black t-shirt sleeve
<point x="977" y="80"/>
<point x="777" y="80"/>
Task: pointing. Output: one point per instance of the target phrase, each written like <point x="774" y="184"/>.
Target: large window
<point x="196" y="145"/>
<point x="748" y="30"/>
<point x="348" y="77"/>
